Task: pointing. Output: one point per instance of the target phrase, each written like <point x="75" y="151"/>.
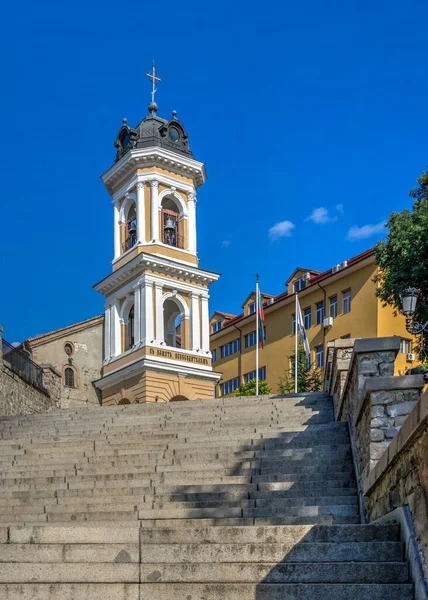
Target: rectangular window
<point x="252" y="375"/>
<point x="230" y="348"/>
<point x="299" y="284"/>
<point x="250" y="339"/>
<point x="405" y="346"/>
<point x="252" y="308"/>
<point x="347" y="299"/>
<point x="292" y="365"/>
<point x="214" y="355"/>
<point x="308" y="362"/>
<point x="216" y="326"/>
<point x="229" y="386"/>
<point x="333" y="307"/>
<point x="293" y="324"/>
<point x="320" y="312"/>
<point x="319" y="356"/>
<point x="307" y="317"/>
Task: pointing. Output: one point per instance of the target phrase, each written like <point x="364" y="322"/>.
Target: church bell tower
<point x="156" y="329"/>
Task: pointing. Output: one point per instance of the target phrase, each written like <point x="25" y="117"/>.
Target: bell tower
<point x="156" y="330"/>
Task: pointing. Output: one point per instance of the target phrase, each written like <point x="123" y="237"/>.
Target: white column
<point x="115" y="330"/>
<point x="191" y="221"/>
<point x="137" y="314"/>
<point x="160" y="336"/>
<point x="195" y="322"/>
<point x="116" y="206"/>
<point x="205" y="318"/>
<point x="107" y="338"/>
<point x="141" y="223"/>
<point x="154" y="210"/>
<point x="146" y="312"/>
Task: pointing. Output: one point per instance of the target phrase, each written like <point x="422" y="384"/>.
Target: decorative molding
<point x="154" y="183"/>
<point x="179" y="300"/>
<point x="140" y="185"/>
<point x="143" y="261"/>
<point x="135" y="158"/>
<point x="176" y="195"/>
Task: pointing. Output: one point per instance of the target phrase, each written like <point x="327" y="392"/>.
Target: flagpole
<point x="295" y="349"/>
<point x="257" y="335"/>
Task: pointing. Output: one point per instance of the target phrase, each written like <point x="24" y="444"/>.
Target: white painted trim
<point x="178" y="298"/>
<point x="127" y="202"/>
<point x="125" y="308"/>
<point x="146" y="261"/>
<point x="178" y="198"/>
<point x="137" y="157"/>
<point x="167" y="180"/>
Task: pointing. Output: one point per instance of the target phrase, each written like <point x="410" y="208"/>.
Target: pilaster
<point x="191" y="223"/>
<point x="154" y="210"/>
<point x="205" y="342"/>
<point x="146" y="312"/>
<point x="107" y="334"/>
<point x="116" y="228"/>
<point x="141" y="222"/>
<point x="160" y="334"/>
<point x="137" y="314"/>
<point x="195" y="322"/>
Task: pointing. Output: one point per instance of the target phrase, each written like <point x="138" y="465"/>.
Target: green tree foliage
<point x="249" y="389"/>
<point x="403" y="257"/>
<point x="308" y="380"/>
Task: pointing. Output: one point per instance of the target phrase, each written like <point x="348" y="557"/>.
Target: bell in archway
<point x="169" y="232"/>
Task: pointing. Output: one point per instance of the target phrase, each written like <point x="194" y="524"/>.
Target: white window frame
<point x="319" y="353"/>
<point x="320" y="308"/>
<point x="216" y="326"/>
<point x="333" y="304"/>
<point x="346" y="300"/>
<point x="307" y="316"/>
<point x="405" y="346"/>
<point x="252" y="308"/>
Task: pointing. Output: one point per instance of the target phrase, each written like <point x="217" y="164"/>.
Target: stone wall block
<point x="377" y="435"/>
<point x="379" y="422"/>
<point x="377" y="449"/>
<point x="391" y="432"/>
<point x="402" y="408"/>
<point x="377" y="411"/>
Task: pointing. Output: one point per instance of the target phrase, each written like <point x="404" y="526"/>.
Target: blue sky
<point x="310" y="117"/>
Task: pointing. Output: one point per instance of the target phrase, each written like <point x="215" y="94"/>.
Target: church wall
<point x="86" y="361"/>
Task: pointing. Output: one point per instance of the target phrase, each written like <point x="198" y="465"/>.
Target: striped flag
<point x="261" y="319"/>
<point x="301" y="325"/>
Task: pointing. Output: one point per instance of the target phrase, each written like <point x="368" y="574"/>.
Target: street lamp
<point x="409" y="299"/>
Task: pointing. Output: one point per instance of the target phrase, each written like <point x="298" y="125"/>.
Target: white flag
<point x="301" y="326"/>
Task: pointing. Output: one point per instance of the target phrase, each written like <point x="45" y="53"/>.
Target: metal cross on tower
<point x="153" y="78"/>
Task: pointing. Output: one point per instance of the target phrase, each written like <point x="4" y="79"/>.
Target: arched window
<point x="171" y="224"/>
<point x="69" y="377"/>
<point x="130" y="229"/>
<point x="173" y="324"/>
<point x="129" y="335"/>
<point x="124" y="401"/>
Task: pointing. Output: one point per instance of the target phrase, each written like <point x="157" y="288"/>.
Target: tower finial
<point x="154" y="77"/>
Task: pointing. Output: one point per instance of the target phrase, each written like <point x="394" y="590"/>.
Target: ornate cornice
<point x="143" y="262"/>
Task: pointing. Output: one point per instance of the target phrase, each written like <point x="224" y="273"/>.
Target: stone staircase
<point x="251" y="498"/>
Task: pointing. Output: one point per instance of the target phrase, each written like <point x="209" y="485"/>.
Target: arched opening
<point x="69" y="379"/>
<point x="171" y="223"/>
<point x="173" y="326"/>
<point x="129" y="227"/>
<point x="124" y="401"/>
<point x="179" y="399"/>
<point x="129" y="329"/>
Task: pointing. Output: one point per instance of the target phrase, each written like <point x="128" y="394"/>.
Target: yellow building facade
<point x="156" y="323"/>
<point x="338" y="303"/>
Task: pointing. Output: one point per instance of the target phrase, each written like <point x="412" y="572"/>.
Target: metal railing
<point x="22" y="365"/>
<point x="173" y="239"/>
<point x="129" y="242"/>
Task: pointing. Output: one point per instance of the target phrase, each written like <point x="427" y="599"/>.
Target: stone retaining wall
<point x="388" y="421"/>
<point x="18" y="396"/>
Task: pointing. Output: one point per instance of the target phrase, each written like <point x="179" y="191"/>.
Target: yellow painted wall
<point x="361" y="322"/>
<point x="151" y="386"/>
<point x="395" y="324"/>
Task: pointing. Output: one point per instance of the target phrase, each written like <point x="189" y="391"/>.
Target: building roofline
<point x="64" y="329"/>
<point x="321" y="277"/>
